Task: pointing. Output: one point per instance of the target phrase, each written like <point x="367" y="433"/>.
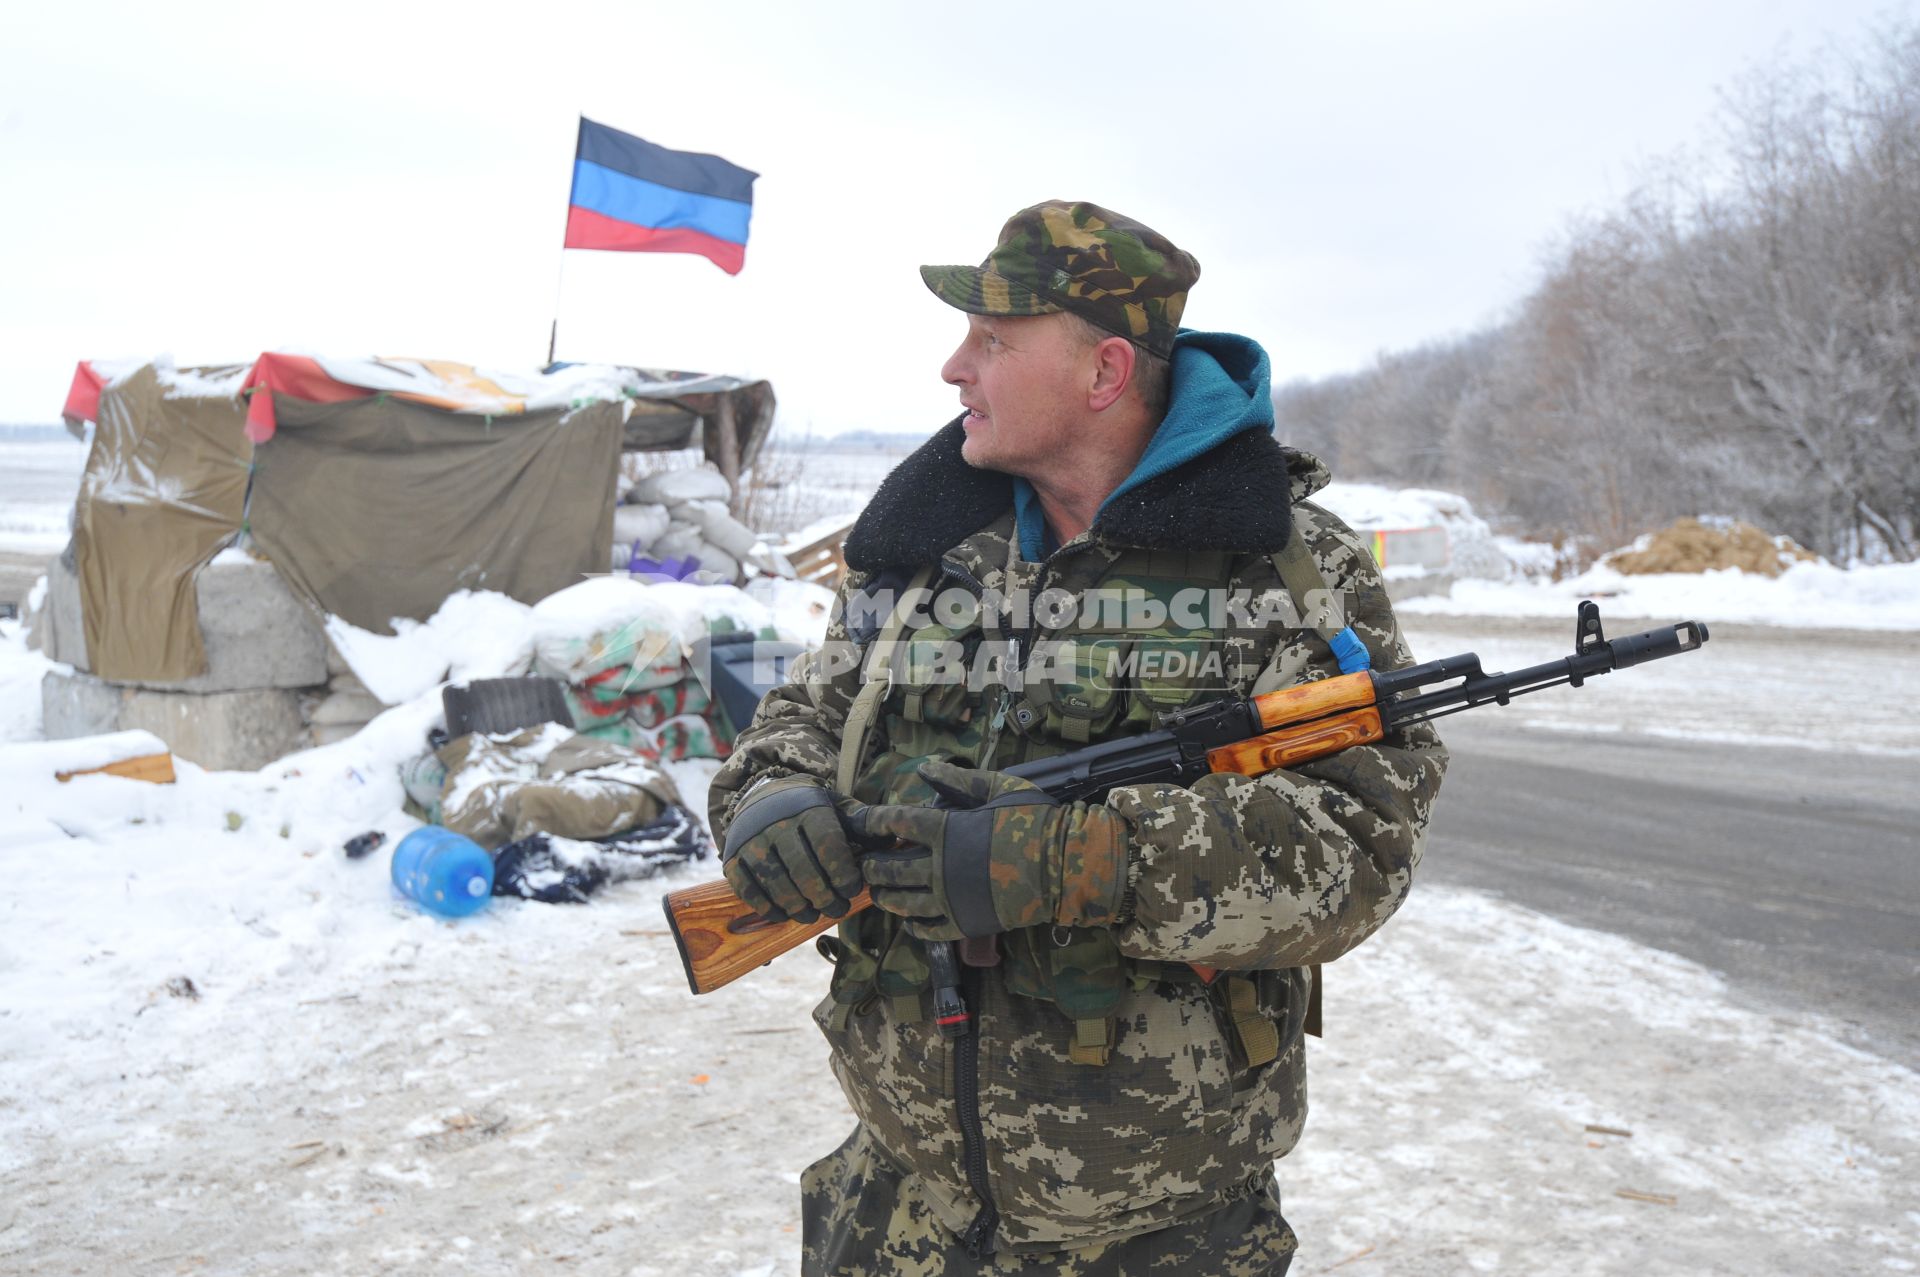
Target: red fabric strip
<point x="83" y="397"/>
<point x="294" y="375"/>
<point x="588" y="229"/>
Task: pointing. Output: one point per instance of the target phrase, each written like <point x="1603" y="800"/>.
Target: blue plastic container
<point x="447" y="873"/>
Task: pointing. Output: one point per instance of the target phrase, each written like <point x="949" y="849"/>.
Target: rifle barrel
<point x="1401" y="704"/>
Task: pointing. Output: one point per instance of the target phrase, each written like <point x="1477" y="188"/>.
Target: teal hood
<point x="1222" y="386"/>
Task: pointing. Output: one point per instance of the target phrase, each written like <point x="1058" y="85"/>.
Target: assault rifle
<point x="721" y="939"/>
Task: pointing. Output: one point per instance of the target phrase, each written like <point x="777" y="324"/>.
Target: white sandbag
<point x="716" y="565"/>
<point x="671" y="486"/>
<point x="622" y="555"/>
<point x="639" y="524"/>
<point x="679" y="538"/>
<point x="719" y="527"/>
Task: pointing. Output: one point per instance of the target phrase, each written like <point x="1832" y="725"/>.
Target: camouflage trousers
<point x="862" y="1217"/>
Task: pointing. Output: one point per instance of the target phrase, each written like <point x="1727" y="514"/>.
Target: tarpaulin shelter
<point x="376" y="487"/>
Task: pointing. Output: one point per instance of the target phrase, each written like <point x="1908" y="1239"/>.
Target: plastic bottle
<point x="447" y="873"/>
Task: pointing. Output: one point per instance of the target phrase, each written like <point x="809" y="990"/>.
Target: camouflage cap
<point x="1110" y="270"/>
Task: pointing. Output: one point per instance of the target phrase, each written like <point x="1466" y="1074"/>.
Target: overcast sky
<point x="211" y="181"/>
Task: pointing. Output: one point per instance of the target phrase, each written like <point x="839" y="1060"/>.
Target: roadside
<point x="538" y="1089"/>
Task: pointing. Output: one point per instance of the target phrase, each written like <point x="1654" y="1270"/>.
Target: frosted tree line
<point x="1741" y="337"/>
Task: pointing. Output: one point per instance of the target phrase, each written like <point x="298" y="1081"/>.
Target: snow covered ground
<point x="38" y="480"/>
<point x="1807" y="595"/>
<point x="225" y="1048"/>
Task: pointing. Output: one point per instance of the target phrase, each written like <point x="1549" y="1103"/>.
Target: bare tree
<point x="1741" y="336"/>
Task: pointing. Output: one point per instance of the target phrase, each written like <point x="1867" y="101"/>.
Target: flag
<point x="630" y="196"/>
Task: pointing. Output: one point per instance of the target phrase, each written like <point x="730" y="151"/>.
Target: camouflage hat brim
<point x="980" y="291"/>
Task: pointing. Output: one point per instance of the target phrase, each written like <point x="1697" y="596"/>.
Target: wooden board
<point x="156" y="768"/>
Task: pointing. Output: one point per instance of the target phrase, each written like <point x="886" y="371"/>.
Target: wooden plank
<point x="155" y="768"/>
<point x="822" y="561"/>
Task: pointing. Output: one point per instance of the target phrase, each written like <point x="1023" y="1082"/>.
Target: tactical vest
<point x="1091" y="680"/>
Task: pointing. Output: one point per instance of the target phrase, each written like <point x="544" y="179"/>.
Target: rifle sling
<point x="879" y="667"/>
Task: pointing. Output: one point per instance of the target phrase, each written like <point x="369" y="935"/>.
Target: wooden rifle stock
<point x="721" y="939"/>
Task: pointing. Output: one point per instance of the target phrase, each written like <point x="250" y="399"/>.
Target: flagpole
<point x="559" y="286"/>
<point x="560" y="276"/>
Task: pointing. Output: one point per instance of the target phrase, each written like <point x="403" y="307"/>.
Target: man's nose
<point x="958" y="370"/>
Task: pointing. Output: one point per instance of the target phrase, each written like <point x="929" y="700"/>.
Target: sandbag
<point x="717" y="564"/>
<point x="680" y="538"/>
<point x="639" y="525"/>
<point x="670" y="486"/>
<point x="719" y="527"/>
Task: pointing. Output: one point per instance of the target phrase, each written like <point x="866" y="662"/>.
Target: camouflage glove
<point x="787" y="855"/>
<point x="999" y="854"/>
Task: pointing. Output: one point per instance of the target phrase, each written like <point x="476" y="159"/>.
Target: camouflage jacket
<point x="1263" y="875"/>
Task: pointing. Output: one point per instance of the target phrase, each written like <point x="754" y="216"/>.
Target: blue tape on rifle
<point x="1351" y="652"/>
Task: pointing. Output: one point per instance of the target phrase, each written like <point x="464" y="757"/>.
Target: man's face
<point x="1024" y="381"/>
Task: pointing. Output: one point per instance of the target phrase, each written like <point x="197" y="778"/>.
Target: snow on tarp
<point x="662" y="408"/>
<point x="490" y="392"/>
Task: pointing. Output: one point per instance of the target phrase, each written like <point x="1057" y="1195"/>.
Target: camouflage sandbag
<point x="547" y="780"/>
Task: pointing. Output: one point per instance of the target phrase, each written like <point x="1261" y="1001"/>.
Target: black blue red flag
<point x="630" y="196"/>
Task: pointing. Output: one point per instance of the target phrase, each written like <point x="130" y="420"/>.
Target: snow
<point x="1471" y="1046"/>
<point x="187" y="383"/>
<point x="800" y="609"/>
<point x="226" y="1048"/>
<point x="24" y="764"/>
<point x="474" y="634"/>
<point x="1807" y="595"/>
<point x="245" y="1054"/>
<point x="1473" y="551"/>
<point x="38" y="481"/>
<point x="612" y="602"/>
<point x="1747" y="686"/>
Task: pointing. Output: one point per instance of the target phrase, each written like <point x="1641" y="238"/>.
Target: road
<point x="1792" y="870"/>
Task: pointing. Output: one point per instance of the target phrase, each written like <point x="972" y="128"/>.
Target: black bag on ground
<point x="560" y="871"/>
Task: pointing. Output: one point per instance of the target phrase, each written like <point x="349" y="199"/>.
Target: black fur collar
<point x="1236" y="497"/>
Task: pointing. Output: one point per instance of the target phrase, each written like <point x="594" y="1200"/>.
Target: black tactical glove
<point x="787" y="855"/>
<point x="998" y="854"/>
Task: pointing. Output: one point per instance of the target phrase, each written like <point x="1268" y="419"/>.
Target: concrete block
<point x="256" y="633"/>
<point x="62" y="636"/>
<point x="223" y="731"/>
<point x="73" y="705"/>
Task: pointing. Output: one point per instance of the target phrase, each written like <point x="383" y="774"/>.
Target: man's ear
<point x="1112" y="372"/>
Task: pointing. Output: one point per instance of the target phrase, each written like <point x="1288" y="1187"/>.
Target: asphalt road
<point x="1794" y="872"/>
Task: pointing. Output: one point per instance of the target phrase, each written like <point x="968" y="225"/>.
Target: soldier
<point x="1108" y="533"/>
